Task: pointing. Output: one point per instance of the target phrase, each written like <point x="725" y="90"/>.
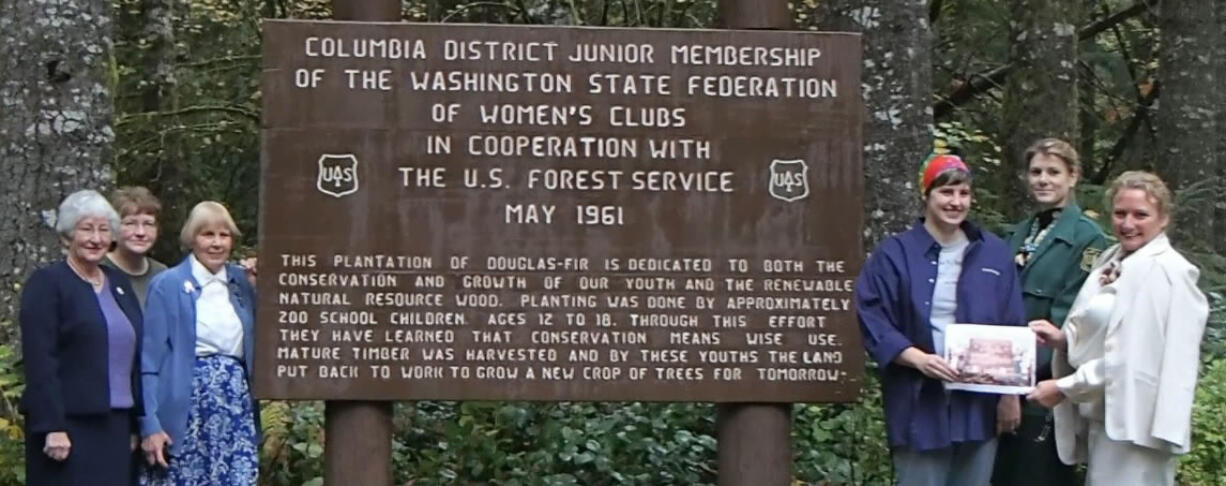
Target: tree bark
<point x="1041" y="93"/>
<point x="1188" y="114"/>
<point x="158" y="41"/>
<point x="55" y="124"/>
<point x="1087" y="119"/>
<point x="434" y="10"/>
<point x="897" y="84"/>
<point x="1219" y="202"/>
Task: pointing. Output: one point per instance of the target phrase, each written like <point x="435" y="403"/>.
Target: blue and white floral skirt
<point x="219" y="446"/>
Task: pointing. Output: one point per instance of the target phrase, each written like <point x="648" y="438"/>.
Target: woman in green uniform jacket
<point x="1054" y="249"/>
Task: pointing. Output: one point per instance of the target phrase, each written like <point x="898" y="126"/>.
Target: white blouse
<point x="218" y="328"/>
<point x="1086" y="335"/>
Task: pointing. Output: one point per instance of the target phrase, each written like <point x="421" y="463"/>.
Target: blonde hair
<point x="1054" y="147"/>
<point x="204" y="214"/>
<point x="1146" y="181"/>
<point x="132" y="200"/>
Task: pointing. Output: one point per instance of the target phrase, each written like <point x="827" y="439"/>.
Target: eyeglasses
<point x="138" y="224"/>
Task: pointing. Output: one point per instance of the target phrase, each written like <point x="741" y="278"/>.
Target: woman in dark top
<point x="1053" y="249"/>
<point x="80" y="324"/>
<point x="944" y="270"/>
<point x="138" y="231"/>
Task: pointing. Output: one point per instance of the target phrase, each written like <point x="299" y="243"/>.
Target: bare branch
<point x="982" y="82"/>
<point x="1121" y="144"/>
<point x="191" y="110"/>
<point x="218" y="60"/>
<point x="465" y="7"/>
<point x="978" y="83"/>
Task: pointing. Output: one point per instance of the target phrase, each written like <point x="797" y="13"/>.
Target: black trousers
<point x="1029" y="457"/>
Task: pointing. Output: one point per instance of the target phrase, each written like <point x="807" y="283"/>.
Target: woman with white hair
<point x="201" y="423"/>
<point x="79" y="327"/>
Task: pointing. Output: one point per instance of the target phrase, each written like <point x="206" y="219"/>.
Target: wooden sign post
<point x="481" y="212"/>
<point x="754" y="439"/>
<point x="358" y="434"/>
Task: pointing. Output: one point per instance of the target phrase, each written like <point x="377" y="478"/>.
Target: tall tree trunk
<point x="1219" y="195"/>
<point x="1188" y="114"/>
<point x="434" y="10"/>
<point x="55" y="124"/>
<point x="1087" y="118"/>
<point x="1041" y="94"/>
<point x="158" y="44"/>
<point x="897" y="83"/>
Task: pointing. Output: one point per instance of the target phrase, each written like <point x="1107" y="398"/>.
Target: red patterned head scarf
<point x="936" y="165"/>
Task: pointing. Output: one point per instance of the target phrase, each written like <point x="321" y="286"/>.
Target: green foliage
<point x="555" y="443"/>
<point x="12" y="437"/>
<point x="1207" y="461"/>
<point x="527" y="443"/>
<point x="839" y="444"/>
<point x="984" y="157"/>
<point x="292" y="452"/>
<point x="522" y="443"/>
<point x="195" y="136"/>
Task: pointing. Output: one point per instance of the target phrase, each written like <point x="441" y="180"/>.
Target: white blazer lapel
<point x="1134" y="271"/>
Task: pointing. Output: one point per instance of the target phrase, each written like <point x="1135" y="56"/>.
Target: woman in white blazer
<point x="1125" y="364"/>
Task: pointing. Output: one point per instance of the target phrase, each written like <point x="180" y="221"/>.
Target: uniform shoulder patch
<point x="1088" y="257"/>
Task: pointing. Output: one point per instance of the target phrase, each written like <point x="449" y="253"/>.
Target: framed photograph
<point x="991" y="359"/>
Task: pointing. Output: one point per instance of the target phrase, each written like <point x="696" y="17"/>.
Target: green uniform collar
<point x="1065" y="230"/>
<point x="1066" y="226"/>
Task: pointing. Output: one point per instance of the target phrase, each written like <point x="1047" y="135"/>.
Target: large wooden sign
<point x="542" y="213"/>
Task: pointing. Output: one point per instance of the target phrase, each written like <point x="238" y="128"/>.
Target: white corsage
<point x="187" y="287"/>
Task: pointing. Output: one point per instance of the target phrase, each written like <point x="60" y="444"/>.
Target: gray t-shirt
<point x="140" y="283"/>
<point x="945" y="292"/>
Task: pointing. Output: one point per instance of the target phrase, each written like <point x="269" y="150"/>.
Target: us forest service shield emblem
<point x="338" y="174"/>
<point x="789" y="180"/>
<point x="1088" y="257"/>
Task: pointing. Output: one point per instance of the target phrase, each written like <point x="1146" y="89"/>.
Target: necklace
<point x="1034" y="239"/>
<point x="95" y="282"/>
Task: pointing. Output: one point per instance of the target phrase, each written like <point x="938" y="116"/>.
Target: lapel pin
<point x="119" y="290"/>
<point x="187" y="287"/>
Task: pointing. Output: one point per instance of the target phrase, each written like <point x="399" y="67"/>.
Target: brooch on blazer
<point x="1111" y="273"/>
<point x="119" y="290"/>
<point x="188" y="287"/>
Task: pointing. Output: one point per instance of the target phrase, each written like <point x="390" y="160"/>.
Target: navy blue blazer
<point x="893" y="303"/>
<point x="65" y="346"/>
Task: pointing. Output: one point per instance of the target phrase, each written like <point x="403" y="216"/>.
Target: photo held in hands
<point x="990" y="359"/>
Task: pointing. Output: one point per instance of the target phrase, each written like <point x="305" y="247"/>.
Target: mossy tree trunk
<point x="897" y="84"/>
<point x="56" y="129"/>
<point x="1040" y="98"/>
<point x="1189" y="113"/>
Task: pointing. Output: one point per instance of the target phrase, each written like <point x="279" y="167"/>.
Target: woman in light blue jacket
<point x="201" y="423"/>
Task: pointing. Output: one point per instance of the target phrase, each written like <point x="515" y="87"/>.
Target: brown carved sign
<point x="542" y="213"/>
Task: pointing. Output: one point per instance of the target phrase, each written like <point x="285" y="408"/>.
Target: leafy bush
<point x="522" y="443"/>
<point x="12" y="437"/>
<point x="1205" y="465"/>
<point x="837" y="444"/>
<point x="555" y="443"/>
